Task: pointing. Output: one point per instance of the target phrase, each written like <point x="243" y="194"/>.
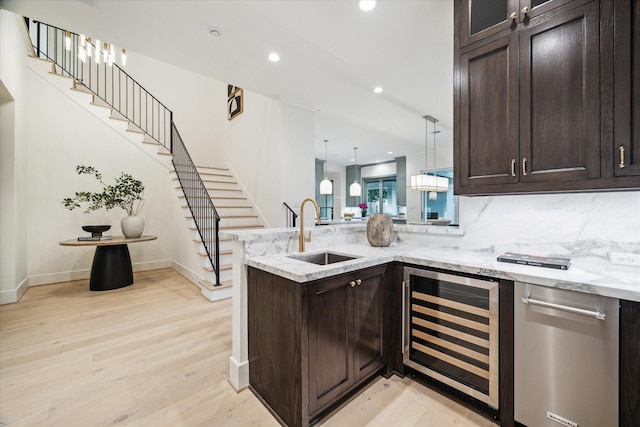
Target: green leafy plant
<point x="127" y="193"/>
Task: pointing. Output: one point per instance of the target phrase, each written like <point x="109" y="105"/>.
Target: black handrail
<point x="127" y="97"/>
<point x="202" y="209"/>
<point x="110" y="83"/>
<point x="291" y="216"/>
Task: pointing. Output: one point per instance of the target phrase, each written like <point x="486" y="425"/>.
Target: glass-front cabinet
<point x="483" y="18"/>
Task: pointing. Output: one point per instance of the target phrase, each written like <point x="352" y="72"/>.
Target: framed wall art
<point x="234" y="101"/>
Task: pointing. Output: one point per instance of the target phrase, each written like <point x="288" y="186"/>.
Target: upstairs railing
<point x="116" y="88"/>
<point x="291" y="215"/>
<point x="105" y="78"/>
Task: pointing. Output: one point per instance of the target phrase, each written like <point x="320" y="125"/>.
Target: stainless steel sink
<point x="322" y="258"/>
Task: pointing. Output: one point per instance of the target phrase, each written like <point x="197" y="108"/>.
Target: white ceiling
<point x="332" y="56"/>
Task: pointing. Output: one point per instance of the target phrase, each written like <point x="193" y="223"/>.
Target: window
<point x="382" y="196"/>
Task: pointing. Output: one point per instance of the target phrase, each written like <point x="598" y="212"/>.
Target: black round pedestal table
<point x="111" y="267"/>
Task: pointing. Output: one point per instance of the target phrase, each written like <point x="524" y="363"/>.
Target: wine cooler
<point x="451" y="330"/>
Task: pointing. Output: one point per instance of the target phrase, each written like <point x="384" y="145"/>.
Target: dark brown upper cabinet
<point x="534" y="107"/>
<point x="626" y="141"/>
<point x="484" y="18"/>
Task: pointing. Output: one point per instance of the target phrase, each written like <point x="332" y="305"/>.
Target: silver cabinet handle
<point x="524" y="166"/>
<point x="589" y="313"/>
<point x="621" y="148"/>
<point x="405" y="316"/>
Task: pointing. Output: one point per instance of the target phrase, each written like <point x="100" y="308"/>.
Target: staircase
<point x="235" y="211"/>
<point x="228" y="207"/>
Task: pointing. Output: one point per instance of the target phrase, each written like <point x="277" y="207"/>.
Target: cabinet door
<point x="488" y="146"/>
<point x="330" y="354"/>
<point x="560" y="98"/>
<point x="368" y="310"/>
<point x="481" y="19"/>
<point x="626" y="145"/>
<point x="536" y="8"/>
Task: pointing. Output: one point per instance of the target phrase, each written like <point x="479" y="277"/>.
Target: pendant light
<point x="326" y="187"/>
<point x="426" y="182"/>
<point x="355" y="190"/>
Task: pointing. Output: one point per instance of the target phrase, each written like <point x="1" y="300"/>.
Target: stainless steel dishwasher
<point x="565" y="358"/>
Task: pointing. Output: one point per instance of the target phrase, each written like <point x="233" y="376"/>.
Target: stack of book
<point x="93" y="238"/>
<point x="536" y="261"/>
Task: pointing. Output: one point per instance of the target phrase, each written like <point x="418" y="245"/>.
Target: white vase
<point x="132" y="226"/>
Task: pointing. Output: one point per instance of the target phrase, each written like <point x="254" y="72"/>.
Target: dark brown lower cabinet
<point x="629" y="379"/>
<point x="311" y="344"/>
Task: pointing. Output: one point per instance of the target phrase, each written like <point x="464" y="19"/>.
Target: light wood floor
<point x="156" y="354"/>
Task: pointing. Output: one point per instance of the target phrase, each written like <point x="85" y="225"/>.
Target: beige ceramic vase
<point x="132" y="226"/>
<point x="380" y="230"/>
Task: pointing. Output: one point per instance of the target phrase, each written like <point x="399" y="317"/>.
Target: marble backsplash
<point x="573" y="225"/>
<point x="580" y="224"/>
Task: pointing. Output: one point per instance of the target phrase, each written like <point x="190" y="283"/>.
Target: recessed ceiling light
<point x="377" y="89"/>
<point x="274" y="57"/>
<point x="367" y="5"/>
<point x="390" y="152"/>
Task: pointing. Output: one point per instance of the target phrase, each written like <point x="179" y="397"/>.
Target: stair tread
<point x="101" y="105"/>
<point x="229" y="227"/>
<point x="210" y="286"/>
<point x="61" y="75"/>
<point x="221" y="168"/>
<point x="215" y="197"/>
<point x="232" y="227"/>
<point x="40" y="59"/>
<point x="88" y="92"/>
<point x="223" y="252"/>
<point x="222" y="267"/>
<point x="220" y="239"/>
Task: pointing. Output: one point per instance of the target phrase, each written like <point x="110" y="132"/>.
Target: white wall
<point x="199" y="105"/>
<point x="415" y="163"/>
<point x="297" y="166"/>
<point x="13" y="173"/>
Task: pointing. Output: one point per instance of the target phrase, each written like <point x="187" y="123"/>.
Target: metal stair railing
<point x="117" y="89"/>
<point x="200" y="204"/>
<point x="291" y="216"/>
<point x="107" y="81"/>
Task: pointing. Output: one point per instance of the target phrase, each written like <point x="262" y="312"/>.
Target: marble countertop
<point x="586" y="274"/>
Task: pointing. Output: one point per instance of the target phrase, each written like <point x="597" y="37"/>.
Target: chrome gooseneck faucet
<point x="301" y="238"/>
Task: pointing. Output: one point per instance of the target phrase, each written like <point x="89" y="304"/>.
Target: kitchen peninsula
<point x="471" y="249"/>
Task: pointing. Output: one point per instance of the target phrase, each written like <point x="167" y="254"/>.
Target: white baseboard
<point x="238" y="374"/>
<point x="64" y="276"/>
<point x="152" y="265"/>
<point x="14" y="295"/>
<point x="188" y="274"/>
